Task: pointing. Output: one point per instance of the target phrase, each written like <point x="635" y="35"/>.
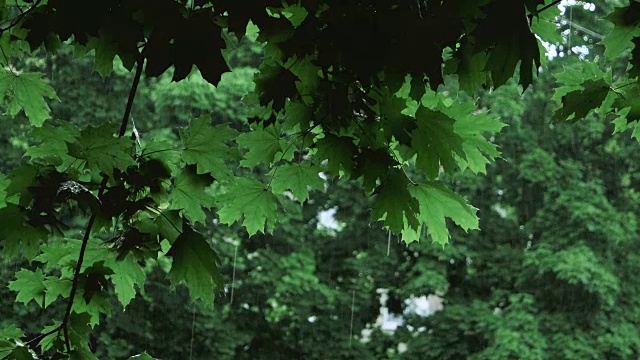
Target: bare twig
<point x="17" y="19"/>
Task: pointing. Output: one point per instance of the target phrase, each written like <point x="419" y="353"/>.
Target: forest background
<point x="550" y="275"/>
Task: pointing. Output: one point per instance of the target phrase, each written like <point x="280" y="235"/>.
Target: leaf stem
<point x="302" y="135"/>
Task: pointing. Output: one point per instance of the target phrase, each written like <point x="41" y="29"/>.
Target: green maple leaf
<point x="573" y="77"/>
<point x="9" y="337"/>
<point x="189" y="195"/>
<point x="628" y="102"/>
<point x="296" y="114"/>
<point x="435" y="141"/>
<point x="339" y="151"/>
<point x="372" y="166"/>
<point x="579" y="103"/>
<point x="20" y="179"/>
<point x="57" y="254"/>
<point x="127" y="274"/>
<point x="251" y="201"/>
<point x="395" y="123"/>
<point x="27" y="91"/>
<point x="55" y="287"/>
<point x="52" y="140"/>
<point x="62" y="254"/>
<point x="437" y="203"/>
<point x="20" y="237"/>
<point x="478" y="151"/>
<point x="624" y="31"/>
<point x="96" y="307"/>
<point x="469" y="66"/>
<point x="105" y="51"/>
<point x="544" y="25"/>
<point x="11" y="332"/>
<point x="393" y="203"/>
<point x="508" y="41"/>
<point x="29" y="285"/>
<point x="206" y="146"/>
<point x="80" y="325"/>
<point x="101" y="149"/>
<point x="263" y="144"/>
<point x="195" y="264"/>
<point x="298" y="178"/>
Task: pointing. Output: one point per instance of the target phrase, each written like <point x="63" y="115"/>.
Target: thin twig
<point x="302" y="135"/>
<point x="132" y="95"/>
<point x="552" y="4"/>
<point x="17" y="19"/>
<point x="76" y="276"/>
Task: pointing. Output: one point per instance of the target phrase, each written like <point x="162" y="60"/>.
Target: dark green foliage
<point x="206" y="182"/>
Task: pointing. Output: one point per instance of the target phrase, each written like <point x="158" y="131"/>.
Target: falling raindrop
<point x="353" y="303"/>
<point x="233" y="275"/>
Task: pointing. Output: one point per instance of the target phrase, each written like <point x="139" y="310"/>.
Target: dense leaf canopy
<point x="382" y="93"/>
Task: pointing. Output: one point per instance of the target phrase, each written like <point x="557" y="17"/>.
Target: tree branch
<point x="103" y="186"/>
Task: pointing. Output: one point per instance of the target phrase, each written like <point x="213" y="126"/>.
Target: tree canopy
<point x="383" y="93"/>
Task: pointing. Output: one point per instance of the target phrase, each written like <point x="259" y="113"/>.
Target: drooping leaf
<point x="20" y="237"/>
<point x="26" y="91"/>
<point x="338" y="151"/>
<point x="105" y="51"/>
<point x="250" y="201"/>
<point x="510" y="42"/>
<point x="97" y="306"/>
<point x="578" y="103"/>
<point x="189" y="195"/>
<point x="127" y="274"/>
<point x="79" y="330"/>
<point x="207" y="147"/>
<point x="393" y="203"/>
<point x="435" y="142"/>
<point x="625" y="20"/>
<point x="373" y="166"/>
<point x="469" y="66"/>
<point x="437" y="203"/>
<point x="297" y="177"/>
<point x="195" y="264"/>
<point x="478" y="151"/>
